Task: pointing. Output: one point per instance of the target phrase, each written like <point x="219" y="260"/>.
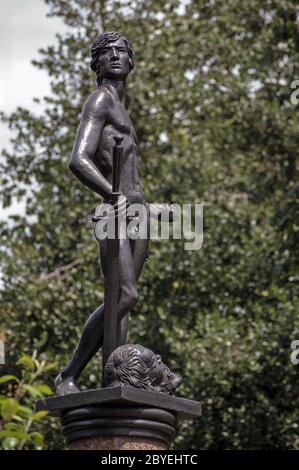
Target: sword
<point x="111" y="323"/>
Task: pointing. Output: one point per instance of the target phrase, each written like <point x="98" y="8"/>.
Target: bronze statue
<point x="105" y="121"/>
<point x="136" y="366"/>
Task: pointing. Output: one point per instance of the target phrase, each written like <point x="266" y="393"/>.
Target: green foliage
<point x="20" y="425"/>
<point x="210" y="100"/>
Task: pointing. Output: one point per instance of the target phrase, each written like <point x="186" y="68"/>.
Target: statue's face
<point x="140" y="368"/>
<point x="162" y="376"/>
<point x="156" y="370"/>
<point x="114" y="60"/>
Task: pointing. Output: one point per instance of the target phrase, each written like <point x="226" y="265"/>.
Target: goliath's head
<point x="136" y="366"/>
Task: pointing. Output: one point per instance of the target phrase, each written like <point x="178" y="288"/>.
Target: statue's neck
<point x="117" y="85"/>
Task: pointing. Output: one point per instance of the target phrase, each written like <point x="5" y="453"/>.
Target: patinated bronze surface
<point x="136" y="366"/>
<point x="105" y="123"/>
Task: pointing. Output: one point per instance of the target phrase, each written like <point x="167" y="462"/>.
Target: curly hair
<point x="99" y="44"/>
<point x="129" y="365"/>
<point x="132" y="364"/>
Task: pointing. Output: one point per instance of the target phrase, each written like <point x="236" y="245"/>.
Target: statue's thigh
<point x="140" y="249"/>
<point x="132" y="256"/>
<point x="126" y="266"/>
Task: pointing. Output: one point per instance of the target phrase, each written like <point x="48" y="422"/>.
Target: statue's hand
<point x="164" y="212"/>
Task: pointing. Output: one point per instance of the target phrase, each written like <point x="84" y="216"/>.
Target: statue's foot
<point x="65" y="385"/>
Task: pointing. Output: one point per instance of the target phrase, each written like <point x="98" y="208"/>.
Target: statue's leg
<point x="92" y="335"/>
<point x="89" y="343"/>
<point x="139" y="250"/>
<point x="127" y="284"/>
<point x="140" y="255"/>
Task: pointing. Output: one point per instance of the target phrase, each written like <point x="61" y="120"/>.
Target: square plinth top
<point x="181" y="407"/>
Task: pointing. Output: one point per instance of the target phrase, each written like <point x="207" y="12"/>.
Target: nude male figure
<point x="104" y="116"/>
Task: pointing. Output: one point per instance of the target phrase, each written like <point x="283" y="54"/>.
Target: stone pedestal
<point x="117" y="443"/>
<point x="119" y="418"/>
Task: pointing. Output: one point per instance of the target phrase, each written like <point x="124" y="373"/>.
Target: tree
<point x="210" y="98"/>
<point x="20" y="423"/>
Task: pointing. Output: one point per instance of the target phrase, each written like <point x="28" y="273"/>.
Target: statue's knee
<point x="134" y="298"/>
<point x="130" y="299"/>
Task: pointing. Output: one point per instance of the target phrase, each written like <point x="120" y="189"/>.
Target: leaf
<point x="8" y="378"/>
<point x="44" y="389"/>
<point x="10" y="443"/>
<point x="9" y="407"/>
<point x="26" y="361"/>
<point x="16" y="434"/>
<point x="38" y="439"/>
<point x="34" y="392"/>
<point x="25" y="412"/>
<point x="39" y="415"/>
<point x="11" y="426"/>
<point x="18" y="418"/>
<point x="50" y="366"/>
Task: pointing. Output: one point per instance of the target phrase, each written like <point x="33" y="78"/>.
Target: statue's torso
<point x="119" y="123"/>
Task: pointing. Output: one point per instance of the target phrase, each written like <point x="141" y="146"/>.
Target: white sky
<point x="24" y="28"/>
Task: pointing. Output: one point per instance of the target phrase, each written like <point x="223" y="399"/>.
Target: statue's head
<point x="136" y="366"/>
<point x="111" y="56"/>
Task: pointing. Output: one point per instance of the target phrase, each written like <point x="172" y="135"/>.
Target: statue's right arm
<point x="88" y="135"/>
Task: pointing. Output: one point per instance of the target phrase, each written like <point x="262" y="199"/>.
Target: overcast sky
<point x="24" y="28"/>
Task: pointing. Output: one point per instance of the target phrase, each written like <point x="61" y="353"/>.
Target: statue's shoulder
<point x="98" y="102"/>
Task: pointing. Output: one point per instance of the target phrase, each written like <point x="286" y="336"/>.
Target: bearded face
<point x="136" y="366"/>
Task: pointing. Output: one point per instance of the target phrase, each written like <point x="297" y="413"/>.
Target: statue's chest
<point x="120" y="120"/>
